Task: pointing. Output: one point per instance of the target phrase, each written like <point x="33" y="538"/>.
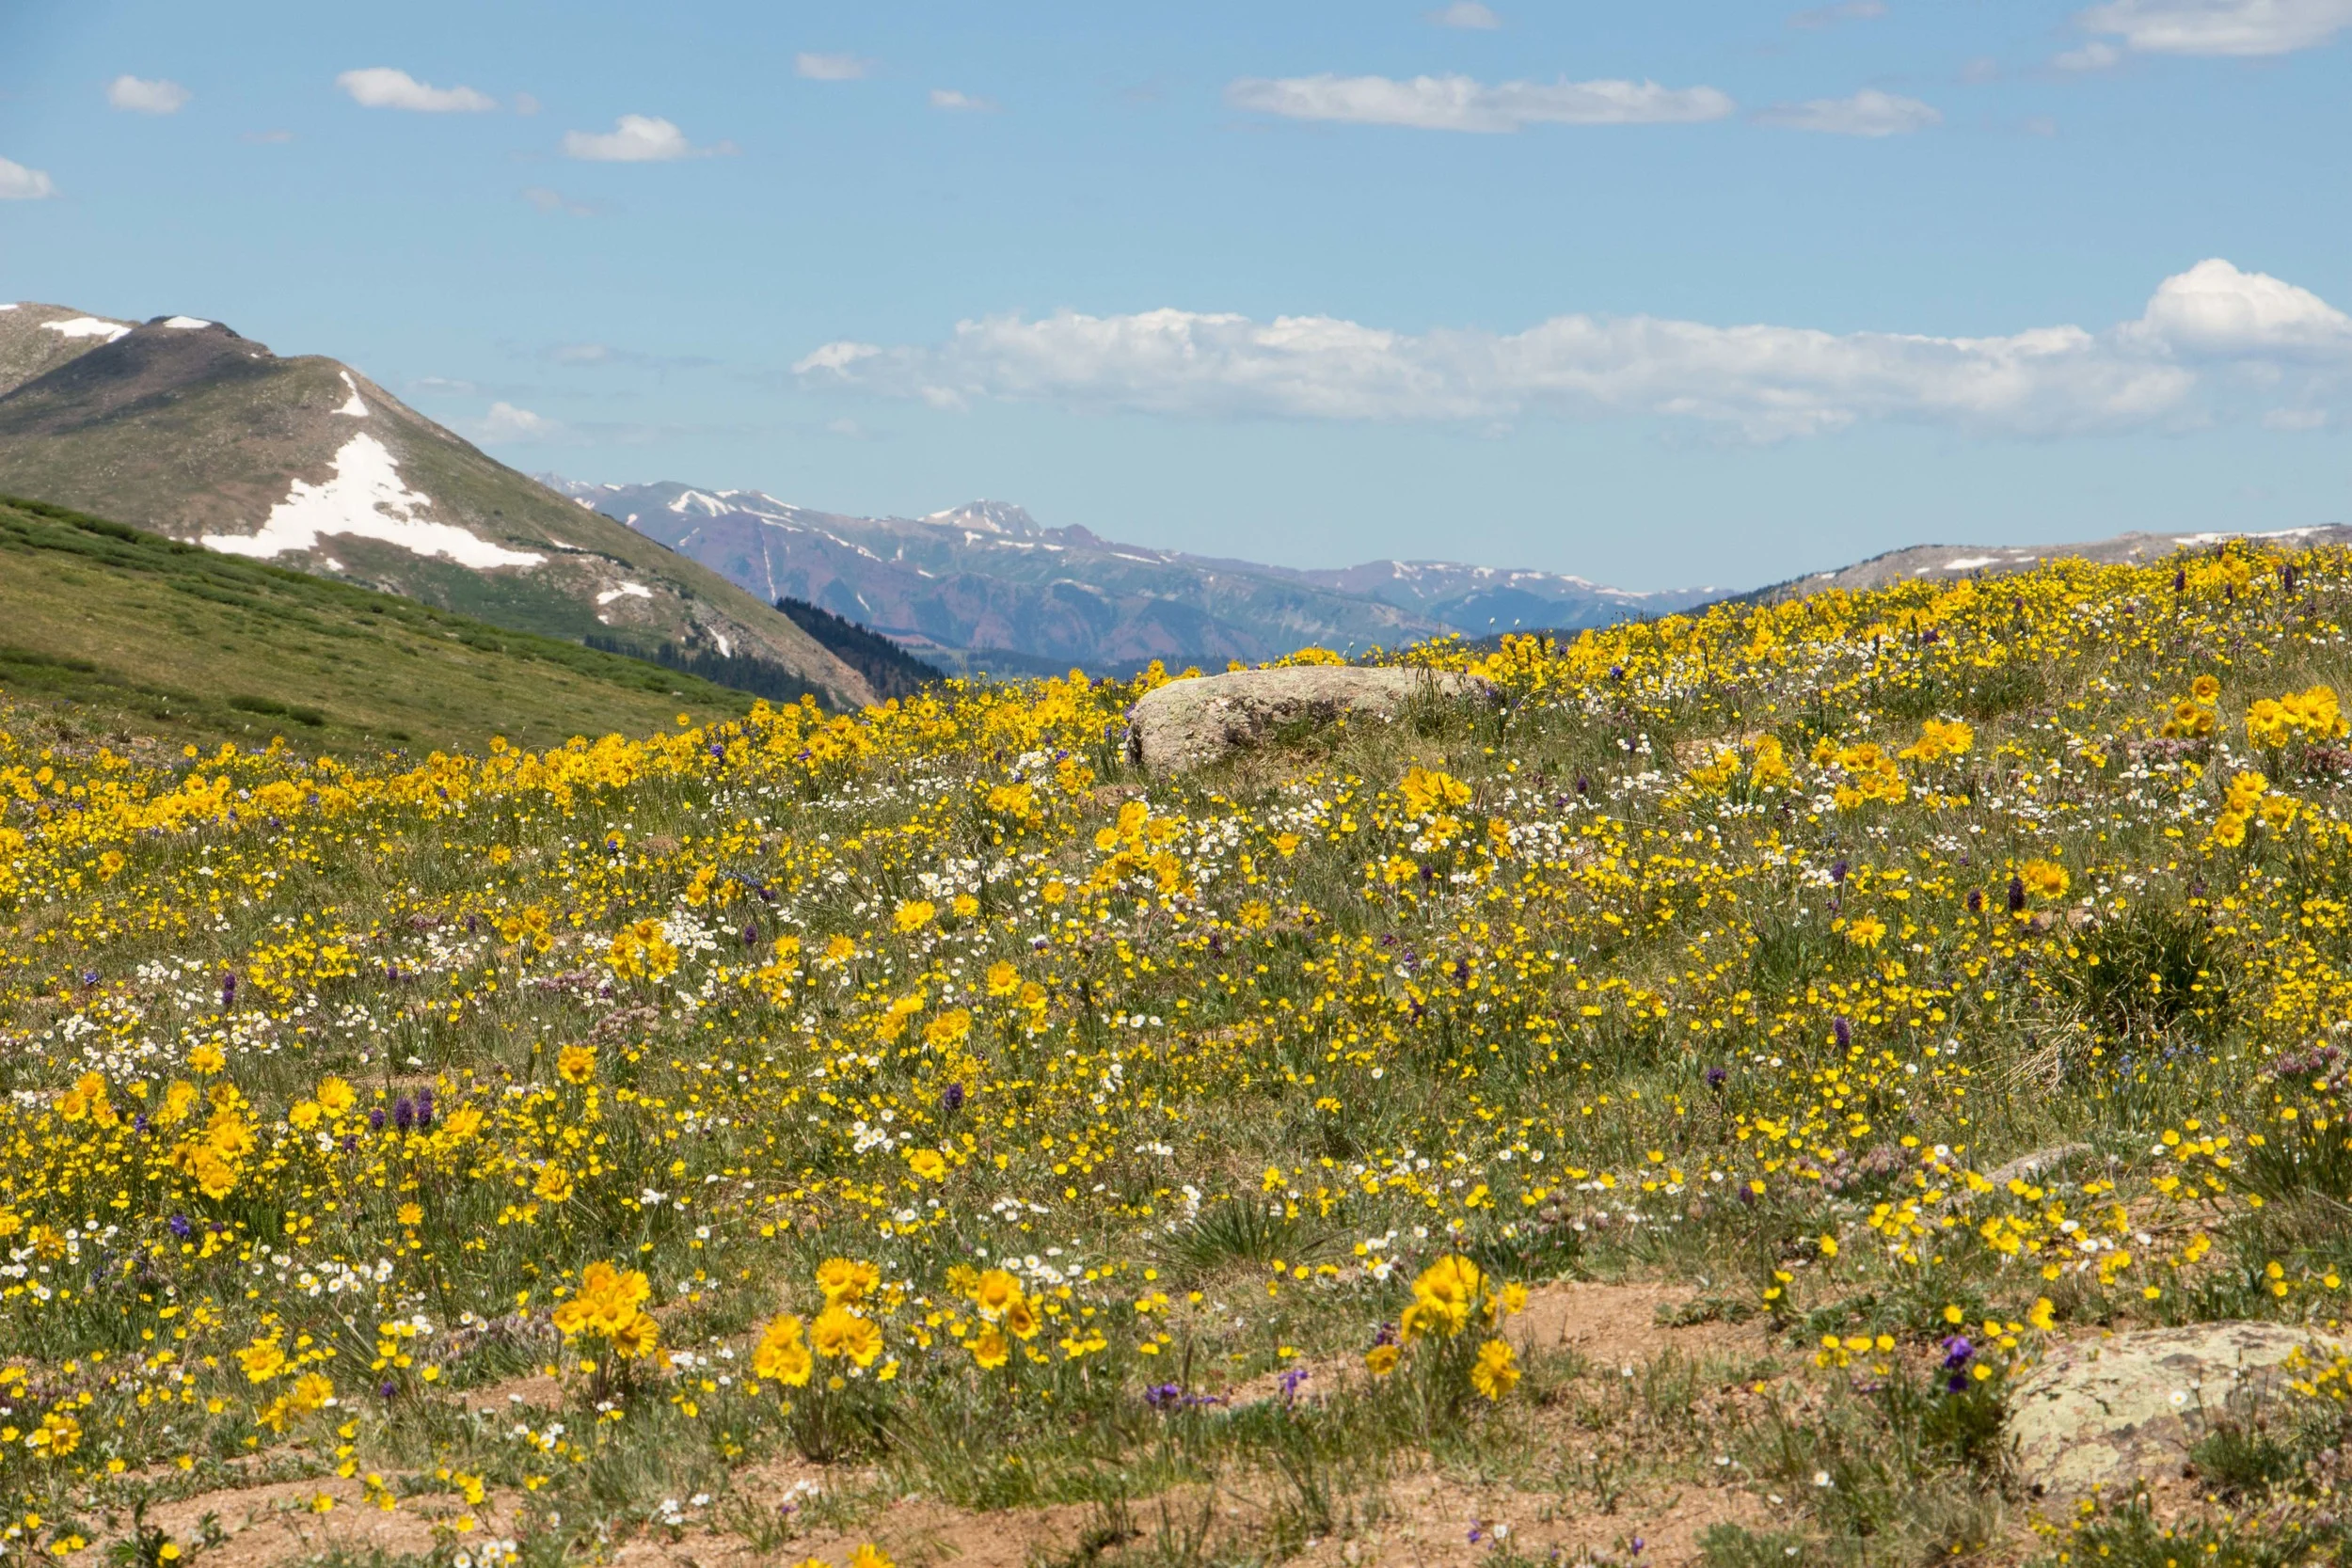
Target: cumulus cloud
<point x="830" y="68"/>
<point x="1466" y="13"/>
<point x="961" y="103"/>
<point x="1868" y="112"/>
<point x="1830" y="16"/>
<point x="1460" y="103"/>
<point x="380" y="87"/>
<point x="2214" y="309"/>
<point x="19" y="183"/>
<point x="507" y="425"/>
<point x="2241" y="27"/>
<point x="637" y="139"/>
<point x="158" y="97"/>
<point x="2209" y="334"/>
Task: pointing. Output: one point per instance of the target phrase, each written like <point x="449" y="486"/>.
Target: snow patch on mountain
<point x="987" y="518"/>
<point x="365" y="500"/>
<point x="185" y="323"/>
<point x="87" y="327"/>
<point x="356" y="408"/>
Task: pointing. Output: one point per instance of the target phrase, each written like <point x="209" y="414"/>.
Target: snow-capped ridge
<point x="986" y="517"/>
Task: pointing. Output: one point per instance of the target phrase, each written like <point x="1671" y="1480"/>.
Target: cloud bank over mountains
<point x="2213" y="341"/>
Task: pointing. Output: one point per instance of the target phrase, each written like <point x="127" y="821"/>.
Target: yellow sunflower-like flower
<point x="1495" y="1370"/>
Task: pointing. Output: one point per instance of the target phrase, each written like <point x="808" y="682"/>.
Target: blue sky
<point x="1660" y="293"/>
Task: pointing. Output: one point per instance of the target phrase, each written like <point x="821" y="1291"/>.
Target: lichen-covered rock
<point x="1191" y="723"/>
<point x="2038" y="1163"/>
<point x="2107" y="1413"/>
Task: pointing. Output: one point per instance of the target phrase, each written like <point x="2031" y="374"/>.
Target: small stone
<point x="1190" y="724"/>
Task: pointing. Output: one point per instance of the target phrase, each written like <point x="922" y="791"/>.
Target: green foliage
<point x="1738" y="1546"/>
<point x="1240" y="1231"/>
<point x="890" y="670"/>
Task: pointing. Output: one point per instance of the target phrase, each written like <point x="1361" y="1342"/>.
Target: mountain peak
<point x="986" y="516"/>
<point x="181" y="425"/>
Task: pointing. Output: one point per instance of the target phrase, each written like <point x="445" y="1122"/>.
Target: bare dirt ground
<point x="1421" y="1517"/>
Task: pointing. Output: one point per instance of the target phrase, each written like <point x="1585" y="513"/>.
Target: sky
<point x="1659" y="294"/>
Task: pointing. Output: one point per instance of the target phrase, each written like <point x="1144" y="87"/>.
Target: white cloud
<point x="637" y="139"/>
<point x="148" y="98"/>
<point x="949" y="99"/>
<point x="267" y="138"/>
<point x="380" y="87"/>
<point x="2098" y="55"/>
<point x="1829" y="16"/>
<point x="507" y="423"/>
<point x="2214" y="309"/>
<point x="1466" y="13"/>
<point x="835" y="356"/>
<point x="19" y="183"/>
<point x="2208" y="335"/>
<point x="526" y="103"/>
<point x="2219" y="27"/>
<point x="830" y="68"/>
<point x="1868" y="112"/>
<point x="1460" y="103"/>
<point x="548" y="200"/>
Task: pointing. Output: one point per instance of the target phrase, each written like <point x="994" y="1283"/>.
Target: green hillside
<point x="134" y="631"/>
<point x="202" y="435"/>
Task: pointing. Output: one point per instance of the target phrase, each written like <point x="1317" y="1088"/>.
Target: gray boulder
<point x="1191" y="723"/>
<point x="2039" y="1164"/>
<point x="2108" y="1412"/>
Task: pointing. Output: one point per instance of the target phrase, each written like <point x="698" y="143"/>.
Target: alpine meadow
<point x="1692" y="1102"/>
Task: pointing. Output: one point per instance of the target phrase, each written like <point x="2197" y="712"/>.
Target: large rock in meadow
<point x="1191" y="723"/>
<point x="2107" y="1413"/>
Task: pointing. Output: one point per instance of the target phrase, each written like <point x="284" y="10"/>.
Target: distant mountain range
<point x="985" y="586"/>
<point x="182" y="426"/>
<point x="1944" y="562"/>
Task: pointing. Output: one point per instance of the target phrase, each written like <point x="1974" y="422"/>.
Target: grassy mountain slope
<point x="189" y="429"/>
<point x="925" y="1137"/>
<point x="1944" y="563"/>
<point x="142" y="634"/>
